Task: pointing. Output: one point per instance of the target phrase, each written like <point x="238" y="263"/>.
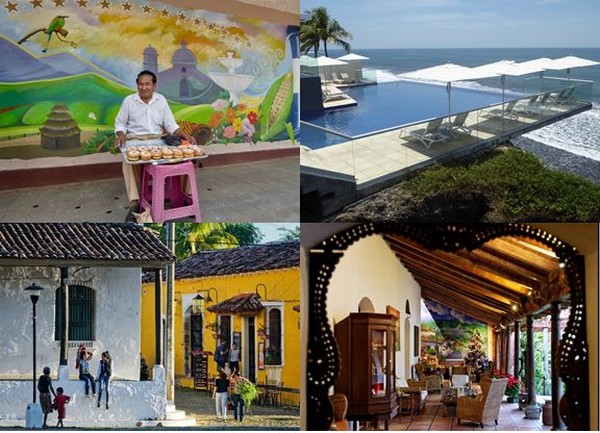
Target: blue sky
<point x="466" y="23"/>
<point x="270" y="232"/>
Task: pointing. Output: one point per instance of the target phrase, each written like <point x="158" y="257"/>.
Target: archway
<point x="322" y="359"/>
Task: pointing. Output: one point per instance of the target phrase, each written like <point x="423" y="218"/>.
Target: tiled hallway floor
<point x="434" y="417"/>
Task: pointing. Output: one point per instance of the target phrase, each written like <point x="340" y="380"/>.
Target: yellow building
<point x="248" y="295"/>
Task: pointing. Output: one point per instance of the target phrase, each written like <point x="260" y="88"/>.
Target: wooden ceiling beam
<point x="456" y="278"/>
<point x="421" y="254"/>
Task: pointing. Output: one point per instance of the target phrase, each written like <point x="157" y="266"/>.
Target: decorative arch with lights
<point x="323" y="357"/>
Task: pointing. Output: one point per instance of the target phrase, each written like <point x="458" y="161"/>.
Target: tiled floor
<point x="260" y="191"/>
<point x="434" y="417"/>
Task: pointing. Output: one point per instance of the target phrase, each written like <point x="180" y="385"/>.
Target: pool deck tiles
<point x="379" y="157"/>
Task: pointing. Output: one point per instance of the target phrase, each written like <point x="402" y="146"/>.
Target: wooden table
<point x="406" y="404"/>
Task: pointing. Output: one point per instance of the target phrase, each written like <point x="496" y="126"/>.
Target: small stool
<point x="161" y="182"/>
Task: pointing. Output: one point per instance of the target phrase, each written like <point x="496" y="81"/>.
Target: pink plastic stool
<point x="161" y="182"/>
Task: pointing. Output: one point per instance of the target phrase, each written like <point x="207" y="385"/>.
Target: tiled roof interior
<point x="81" y="241"/>
<point x="242" y="303"/>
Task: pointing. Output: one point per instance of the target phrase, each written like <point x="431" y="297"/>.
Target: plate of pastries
<point x="155" y="153"/>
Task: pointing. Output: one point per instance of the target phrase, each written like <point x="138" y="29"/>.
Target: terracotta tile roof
<point x="94" y="244"/>
<point x="245" y="259"/>
<point x="242" y="303"/>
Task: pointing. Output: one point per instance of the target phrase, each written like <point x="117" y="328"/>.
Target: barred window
<point x="81" y="313"/>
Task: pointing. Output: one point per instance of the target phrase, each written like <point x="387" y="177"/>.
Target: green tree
<point x="321" y="27"/>
<point x="192" y="237"/>
<point x="289" y="234"/>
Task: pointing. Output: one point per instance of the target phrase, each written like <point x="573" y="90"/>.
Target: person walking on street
<point x="60" y="402"/>
<point x="236" y="399"/>
<point x="85" y="375"/>
<point x="221" y="355"/>
<point x="220" y="395"/>
<point x="104" y="375"/>
<point x="44" y="386"/>
<point x="234" y="358"/>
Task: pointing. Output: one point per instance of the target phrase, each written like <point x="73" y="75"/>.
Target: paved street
<point x="200" y="405"/>
<point x="258" y="191"/>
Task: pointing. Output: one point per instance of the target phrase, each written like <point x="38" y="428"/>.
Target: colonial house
<point x="247" y="295"/>
<point x="362" y="286"/>
<point x="93" y="271"/>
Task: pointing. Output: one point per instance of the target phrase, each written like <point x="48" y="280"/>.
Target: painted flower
<point x="248" y="128"/>
<point x="215" y="120"/>
<point x="252" y="116"/>
<point x="241" y="108"/>
<point x="231" y="115"/>
<point x="229" y="132"/>
<point x="219" y="104"/>
<point x="237" y="124"/>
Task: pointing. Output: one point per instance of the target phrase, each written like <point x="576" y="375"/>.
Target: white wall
<point x="369" y="268"/>
<point x="117" y="330"/>
<point x="130" y="401"/>
<point x="117" y="320"/>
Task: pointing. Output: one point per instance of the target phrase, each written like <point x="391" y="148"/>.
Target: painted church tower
<point x="151" y="59"/>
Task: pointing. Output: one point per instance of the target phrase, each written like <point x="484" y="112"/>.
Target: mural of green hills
<point x="91" y="99"/>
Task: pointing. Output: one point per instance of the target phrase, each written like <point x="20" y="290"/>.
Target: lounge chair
<point x="485" y="407"/>
<point x="428" y="135"/>
<point x="337" y="79"/>
<point x="509" y="111"/>
<point x="332" y="95"/>
<point x="536" y="104"/>
<point x="458" y="124"/>
<point x="563" y="97"/>
<point x="346" y="78"/>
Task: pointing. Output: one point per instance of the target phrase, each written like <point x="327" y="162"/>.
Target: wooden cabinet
<point x="366" y="344"/>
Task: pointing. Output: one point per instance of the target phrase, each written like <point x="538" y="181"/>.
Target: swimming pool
<point x="389" y="105"/>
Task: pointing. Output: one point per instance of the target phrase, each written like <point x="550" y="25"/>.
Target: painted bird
<point x="56" y="26"/>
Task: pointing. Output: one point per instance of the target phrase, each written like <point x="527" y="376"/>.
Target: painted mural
<point x="447" y="333"/>
<point x="67" y="65"/>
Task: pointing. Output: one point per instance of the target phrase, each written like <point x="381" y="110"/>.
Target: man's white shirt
<point x="137" y="117"/>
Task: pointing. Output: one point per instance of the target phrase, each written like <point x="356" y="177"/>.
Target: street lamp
<point x="33" y="418"/>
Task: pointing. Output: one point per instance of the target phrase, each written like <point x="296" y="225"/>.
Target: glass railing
<point x="380" y="156"/>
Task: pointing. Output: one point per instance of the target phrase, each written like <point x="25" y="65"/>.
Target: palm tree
<point x="321" y="27"/>
<point x="191" y="238"/>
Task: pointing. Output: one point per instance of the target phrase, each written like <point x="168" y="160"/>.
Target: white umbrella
<point x="447" y="73"/>
<point x="352" y="56"/>
<point x="543" y="63"/>
<point x="324" y="62"/>
<point x="354" y="65"/>
<point x="508" y="67"/>
<point x="569" y="62"/>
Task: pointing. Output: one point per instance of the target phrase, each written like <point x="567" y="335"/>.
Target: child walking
<point x="60" y="402"/>
<point x="103" y="377"/>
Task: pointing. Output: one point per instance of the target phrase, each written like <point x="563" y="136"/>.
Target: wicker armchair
<point x="485" y="406"/>
<point x="339" y="404"/>
<point x="433" y="382"/>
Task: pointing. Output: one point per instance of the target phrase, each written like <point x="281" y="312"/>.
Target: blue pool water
<point x="389" y="105"/>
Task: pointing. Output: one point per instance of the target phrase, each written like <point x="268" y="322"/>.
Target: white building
<point x="100" y="265"/>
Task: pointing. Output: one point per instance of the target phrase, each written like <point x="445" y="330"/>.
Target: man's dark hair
<point x="146" y="72"/>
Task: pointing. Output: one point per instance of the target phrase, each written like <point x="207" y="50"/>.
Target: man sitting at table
<point x="145" y="113"/>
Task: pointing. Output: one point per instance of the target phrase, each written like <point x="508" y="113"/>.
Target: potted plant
<point x="513" y="388"/>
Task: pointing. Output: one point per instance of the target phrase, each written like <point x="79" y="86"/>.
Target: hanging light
<point x="198" y="304"/>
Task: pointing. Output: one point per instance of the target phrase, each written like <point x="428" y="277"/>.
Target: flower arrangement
<point x="232" y="123"/>
<point x="514" y="385"/>
<point x="476" y="357"/>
